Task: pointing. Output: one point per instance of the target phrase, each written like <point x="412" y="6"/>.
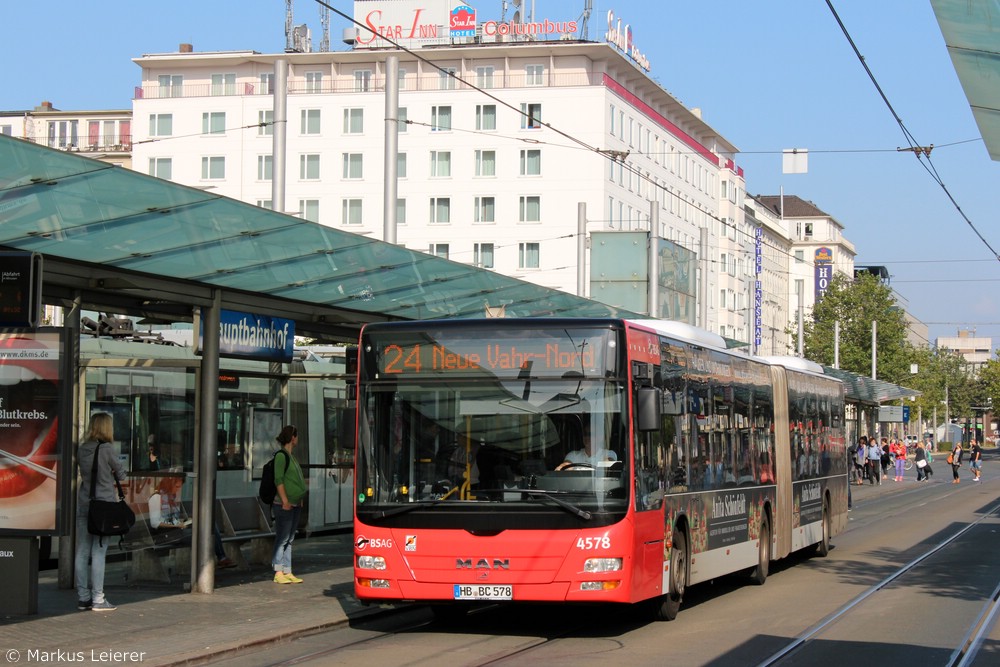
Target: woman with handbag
<point x="92" y="549"/>
<point x="955" y="460"/>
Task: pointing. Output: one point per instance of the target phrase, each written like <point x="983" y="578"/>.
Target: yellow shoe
<point x="292" y="578"/>
<point x="281" y="578"/>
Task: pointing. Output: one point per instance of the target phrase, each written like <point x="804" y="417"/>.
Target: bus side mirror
<point x="648" y="409"/>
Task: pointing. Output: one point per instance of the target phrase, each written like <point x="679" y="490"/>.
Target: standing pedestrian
<point x="860" y="456"/>
<point x="91" y="550"/>
<point x="899" y="449"/>
<point x="874" y="462"/>
<point x="976" y="461"/>
<point x="920" y="461"/>
<point x="886" y="458"/>
<point x="287" y="505"/>
<point x="955" y="460"/>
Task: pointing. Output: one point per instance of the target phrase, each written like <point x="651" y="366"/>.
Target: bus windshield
<point x="499" y="441"/>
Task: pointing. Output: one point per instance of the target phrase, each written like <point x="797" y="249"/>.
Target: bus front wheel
<point x="667" y="606"/>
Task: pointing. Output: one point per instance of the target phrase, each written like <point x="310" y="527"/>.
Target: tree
<point x="856" y="303"/>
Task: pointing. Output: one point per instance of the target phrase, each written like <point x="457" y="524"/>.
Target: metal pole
<point x="206" y="449"/>
<point x="653" y="279"/>
<point x="874" y="346"/>
<point x="801" y="321"/>
<point x="836" y="344"/>
<point x="581" y="249"/>
<point x="703" y="286"/>
<point x="391" y="148"/>
<point x="279" y="144"/>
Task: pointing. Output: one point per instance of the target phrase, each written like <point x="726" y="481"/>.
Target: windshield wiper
<point x="569" y="507"/>
<point x="408" y="507"/>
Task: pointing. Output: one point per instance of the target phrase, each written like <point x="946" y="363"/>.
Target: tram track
<point x="964" y="651"/>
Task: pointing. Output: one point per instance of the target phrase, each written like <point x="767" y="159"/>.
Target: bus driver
<point x="588" y="456"/>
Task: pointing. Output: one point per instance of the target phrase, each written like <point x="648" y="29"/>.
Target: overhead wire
<point x="922" y="153"/>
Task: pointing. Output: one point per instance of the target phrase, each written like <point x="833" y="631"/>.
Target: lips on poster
<point x="29" y="433"/>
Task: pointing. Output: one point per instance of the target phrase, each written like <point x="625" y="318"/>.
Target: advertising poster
<point x="30" y="452"/>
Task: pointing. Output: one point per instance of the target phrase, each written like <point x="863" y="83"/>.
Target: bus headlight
<point x="602" y="565"/>
<point x="371" y="563"/>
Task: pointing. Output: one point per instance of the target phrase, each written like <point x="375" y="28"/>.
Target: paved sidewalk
<point x="159" y="624"/>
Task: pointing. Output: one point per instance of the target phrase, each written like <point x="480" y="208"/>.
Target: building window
<point x="265" y="166"/>
<point x="440" y="118"/>
<point x="439" y="250"/>
<point x="401" y="165"/>
<point x="486" y="163"/>
<point x="800" y="256"/>
<point x="309" y="209"/>
<point x="161" y="167"/>
<point x="213" y="168"/>
<point x="531" y="162"/>
<point x="483" y="255"/>
<point x="531" y="116"/>
<point x="401" y="120"/>
<point x="354" y="121"/>
<point x="400" y="211"/>
<point x="485" y="209"/>
<point x="486" y="117"/>
<point x="309" y="122"/>
<point x="362" y="80"/>
<point x="401" y="78"/>
<point x="171" y="85"/>
<point x="352" y="165"/>
<point x="530" y="209"/>
<point x="265" y="123"/>
<point x="309" y="167"/>
<point x="722" y="299"/>
<point x="447" y="78"/>
<point x="527" y="256"/>
<point x="266" y="84"/>
<point x="265" y="203"/>
<point x="7" y="130"/>
<point x="440" y="164"/>
<point x="440" y="210"/>
<point x="161" y="124"/>
<point x="213" y="122"/>
<point x="533" y="75"/>
<point x="351" y="213"/>
<point x="314" y="82"/>
<point x="484" y="76"/>
<point x="224" y="84"/>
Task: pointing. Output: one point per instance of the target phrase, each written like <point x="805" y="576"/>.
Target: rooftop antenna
<point x="584" y="31"/>
<point x="324" y="21"/>
<point x="289" y="27"/>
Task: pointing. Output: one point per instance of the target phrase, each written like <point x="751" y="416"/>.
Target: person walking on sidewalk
<point x="924" y="471"/>
<point x="955" y="460"/>
<point x="898" y="448"/>
<point x="91" y="550"/>
<point x="976" y="461"/>
<point x="874" y="462"/>
<point x="287" y="506"/>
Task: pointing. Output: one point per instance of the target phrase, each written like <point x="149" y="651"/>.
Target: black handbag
<point x="108" y="518"/>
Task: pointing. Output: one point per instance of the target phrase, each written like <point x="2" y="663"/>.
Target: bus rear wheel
<point x="822" y="548"/>
<point x="666" y="606"/>
<point x="759" y="574"/>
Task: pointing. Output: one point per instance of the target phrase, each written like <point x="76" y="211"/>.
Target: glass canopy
<point x="67" y="206"/>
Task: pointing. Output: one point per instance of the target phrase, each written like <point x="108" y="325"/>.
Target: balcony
<point x="118" y="143"/>
<point x="298" y="85"/>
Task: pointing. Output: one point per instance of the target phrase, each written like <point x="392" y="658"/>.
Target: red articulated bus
<point x="584" y="460"/>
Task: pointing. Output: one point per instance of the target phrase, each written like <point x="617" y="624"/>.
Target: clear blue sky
<point x="767" y="76"/>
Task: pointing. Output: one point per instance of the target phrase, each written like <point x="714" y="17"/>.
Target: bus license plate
<point x="483" y="592"/>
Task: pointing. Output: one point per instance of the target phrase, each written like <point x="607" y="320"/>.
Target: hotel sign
<point x="823" y="270"/>
<point x="622" y="38"/>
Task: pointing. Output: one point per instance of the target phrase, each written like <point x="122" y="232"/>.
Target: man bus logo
<point x="482" y="564"/>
